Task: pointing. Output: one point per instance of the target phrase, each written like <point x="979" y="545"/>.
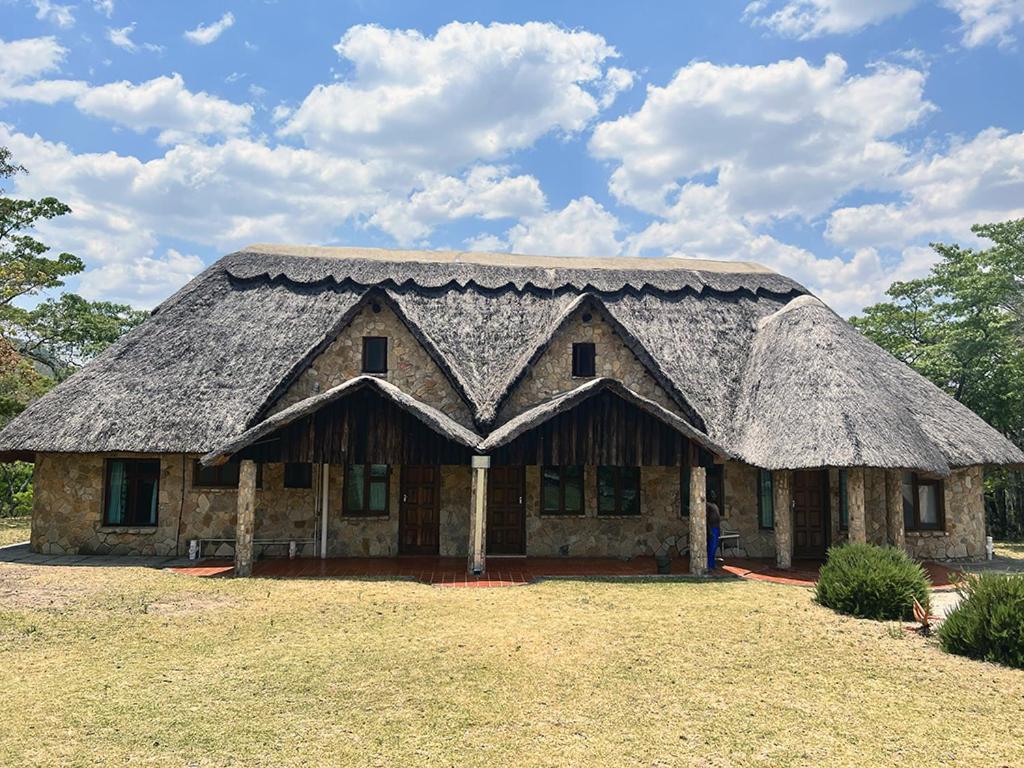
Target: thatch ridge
<point x="565" y="401"/>
<point x="438" y="421"/>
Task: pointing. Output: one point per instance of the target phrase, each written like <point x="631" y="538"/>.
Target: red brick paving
<point x="504" y="572"/>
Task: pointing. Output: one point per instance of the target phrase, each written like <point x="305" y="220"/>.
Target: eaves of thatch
<point x="758" y="369"/>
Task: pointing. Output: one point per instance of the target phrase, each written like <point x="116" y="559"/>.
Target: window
<point x="584" y="357"/>
<point x="366" y="490"/>
<point x="618" y="490"/>
<point x="562" y="490"/>
<point x="923" y="503"/>
<point x="224" y="476"/>
<point x="844" y="501"/>
<point x="132" y="488"/>
<point x="375" y="354"/>
<point x="298" y="475"/>
<point x="714" y="487"/>
<point x="765" y="500"/>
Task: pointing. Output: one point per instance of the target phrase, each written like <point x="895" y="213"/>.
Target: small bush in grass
<point x="989" y="622"/>
<point x="872" y="582"/>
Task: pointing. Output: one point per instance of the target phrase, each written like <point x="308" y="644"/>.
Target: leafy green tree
<point x="962" y="326"/>
<point x="49" y="341"/>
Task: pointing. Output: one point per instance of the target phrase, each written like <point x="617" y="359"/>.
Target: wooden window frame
<point x="133" y="482"/>
<point x="562" y="512"/>
<point x="581" y="360"/>
<point x="760" y="500"/>
<point x="940" y="503"/>
<point x="618" y="512"/>
<point x="346" y="508"/>
<point x="306" y="482"/>
<point x="223" y="483"/>
<point x="367" y="342"/>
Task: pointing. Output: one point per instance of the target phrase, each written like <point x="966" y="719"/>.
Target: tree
<point x="963" y="328"/>
<point x="49" y="341"/>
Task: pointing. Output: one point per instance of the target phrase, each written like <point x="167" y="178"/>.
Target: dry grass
<point x="117" y="665"/>
<point x="14" y="529"/>
<point x="1011" y="549"/>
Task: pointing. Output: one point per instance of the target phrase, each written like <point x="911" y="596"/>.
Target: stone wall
<point x="410" y="367"/>
<point x="552" y="372"/>
<point x="964" y="535"/>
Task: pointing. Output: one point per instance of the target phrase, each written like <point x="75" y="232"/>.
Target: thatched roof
<point x="763" y="371"/>
<point x="430" y="416"/>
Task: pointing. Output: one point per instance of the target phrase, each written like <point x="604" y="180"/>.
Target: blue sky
<point x="829" y="139"/>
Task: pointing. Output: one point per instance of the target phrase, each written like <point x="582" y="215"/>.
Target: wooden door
<point x="810" y="518"/>
<point x="419" y="511"/>
<point x="506" y="511"/>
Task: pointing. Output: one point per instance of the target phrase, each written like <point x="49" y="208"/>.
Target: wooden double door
<point x="506" y="510"/>
<point x="419" y="513"/>
<point x="810" y="514"/>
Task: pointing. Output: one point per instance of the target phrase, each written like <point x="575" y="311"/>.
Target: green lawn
<point x="132" y="666"/>
<point x="14" y="529"/>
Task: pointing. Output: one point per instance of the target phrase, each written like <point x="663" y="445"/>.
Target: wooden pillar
<point x="698" y="521"/>
<point x="246" y="522"/>
<point x="855" y="505"/>
<point x="894" y="508"/>
<point x="782" y="492"/>
<point x="477" y="561"/>
<point x="325" y="488"/>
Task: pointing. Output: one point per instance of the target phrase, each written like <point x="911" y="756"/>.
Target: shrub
<point x="989" y="622"/>
<point x="872" y="582"/>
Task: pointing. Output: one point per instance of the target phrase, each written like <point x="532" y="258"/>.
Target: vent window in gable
<point x="584" y="360"/>
<point x="375" y="354"/>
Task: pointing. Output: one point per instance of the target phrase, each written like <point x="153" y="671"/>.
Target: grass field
<point x="133" y="666"/>
<point x="1011" y="549"/>
<point x="14" y="529"/>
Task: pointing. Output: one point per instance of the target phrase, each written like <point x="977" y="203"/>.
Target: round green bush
<point x="988" y="624"/>
<point x="872" y="582"/>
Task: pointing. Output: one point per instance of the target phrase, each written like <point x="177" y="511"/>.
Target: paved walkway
<point x="20" y="553"/>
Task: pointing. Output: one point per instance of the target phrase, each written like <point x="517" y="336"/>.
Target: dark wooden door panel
<point x="506" y="511"/>
<point x="810" y="518"/>
<point x="419" y="511"/>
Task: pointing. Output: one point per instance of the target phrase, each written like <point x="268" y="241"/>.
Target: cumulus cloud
<point x="987" y="21"/>
<point x="61" y="15"/>
<point x="143" y="281"/>
<point x="805" y="19"/>
<point x="21" y="64"/>
<point x="204" y="34"/>
<point x="485" y="192"/>
<point x="582" y="228"/>
<point x="782" y="139"/>
<point x="470" y="92"/>
<point x="164" y="103"/>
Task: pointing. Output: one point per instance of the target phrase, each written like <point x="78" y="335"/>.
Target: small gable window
<point x="923" y="503"/>
<point x="375" y="354"/>
<point x="366" y="490"/>
<point x="765" y="500"/>
<point x="298" y="475"/>
<point x="584" y="360"/>
<point x="618" y="490"/>
<point x="132" y="489"/>
<point x="562" y="490"/>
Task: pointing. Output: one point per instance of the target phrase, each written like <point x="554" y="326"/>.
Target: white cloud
<point x="204" y="34"/>
<point x="22" y="61"/>
<point x="143" y="281"/>
<point x="164" y="103"/>
<point x="582" y="228"/>
<point x="805" y="19"/>
<point x="106" y="7"/>
<point x="61" y="15"/>
<point x="987" y="21"/>
<point x="978" y="181"/>
<point x="122" y="37"/>
<point x="468" y="93"/>
<point x="776" y="140"/>
<point x="485" y="192"/>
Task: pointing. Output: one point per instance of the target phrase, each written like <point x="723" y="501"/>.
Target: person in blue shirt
<point x="714" y="529"/>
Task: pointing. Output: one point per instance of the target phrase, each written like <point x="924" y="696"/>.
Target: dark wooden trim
<point x="306" y="480"/>
<point x="584" y="360"/>
<point x="562" y="511"/>
<point x="760" y="501"/>
<point x="347" y="511"/>
<point x="940" y="503"/>
<point x="369" y="341"/>
<point x="404" y="483"/>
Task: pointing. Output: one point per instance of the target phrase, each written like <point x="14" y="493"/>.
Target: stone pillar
<point x="477" y="561"/>
<point x="894" y="508"/>
<point x="782" y="490"/>
<point x="855" y="505"/>
<point x="698" y="522"/>
<point x="246" y="518"/>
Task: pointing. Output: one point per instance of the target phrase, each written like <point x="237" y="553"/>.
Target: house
<point x="362" y="402"/>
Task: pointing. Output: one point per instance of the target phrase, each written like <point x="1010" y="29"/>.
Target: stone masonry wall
<point x="552" y="372"/>
<point x="410" y="367"/>
<point x="964" y="536"/>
